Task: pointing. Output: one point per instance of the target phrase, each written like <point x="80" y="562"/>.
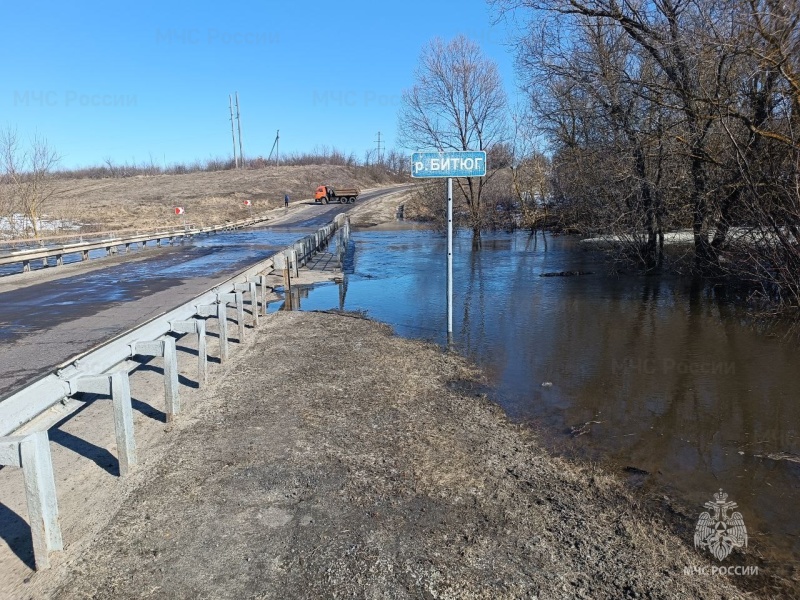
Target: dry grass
<point x="207" y="197"/>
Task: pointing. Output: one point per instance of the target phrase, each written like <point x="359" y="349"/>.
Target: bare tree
<point x="397" y="162"/>
<point x="27" y="181"/>
<point x="456" y="103"/>
<point x="673" y="114"/>
<point x="688" y="73"/>
<point x="530" y="173"/>
<point x="762" y="122"/>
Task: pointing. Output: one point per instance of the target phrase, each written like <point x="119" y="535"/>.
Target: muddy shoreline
<point x="333" y="459"/>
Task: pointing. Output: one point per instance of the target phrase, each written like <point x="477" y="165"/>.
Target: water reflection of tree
<point x="687" y="427"/>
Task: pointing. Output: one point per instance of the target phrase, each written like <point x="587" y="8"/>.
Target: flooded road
<point x="45" y="321"/>
<point x="44" y="305"/>
<point x="44" y="324"/>
<point x="655" y="377"/>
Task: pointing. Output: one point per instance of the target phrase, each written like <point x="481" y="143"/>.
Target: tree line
<point x="641" y="117"/>
<point x="663" y="115"/>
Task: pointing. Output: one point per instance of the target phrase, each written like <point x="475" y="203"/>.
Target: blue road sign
<point x="448" y="164"/>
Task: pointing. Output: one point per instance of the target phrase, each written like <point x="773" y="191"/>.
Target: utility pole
<point x="239" y="125"/>
<point x="380" y="156"/>
<point x="233" y="135"/>
<point x="275" y="148"/>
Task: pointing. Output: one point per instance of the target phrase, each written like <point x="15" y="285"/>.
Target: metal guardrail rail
<point x="105" y="370"/>
<point x="48" y="238"/>
<point x="110" y="244"/>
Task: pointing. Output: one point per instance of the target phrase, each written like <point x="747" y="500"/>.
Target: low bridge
<point x="28" y="413"/>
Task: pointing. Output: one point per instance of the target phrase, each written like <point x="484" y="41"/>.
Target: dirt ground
<point x="330" y="459"/>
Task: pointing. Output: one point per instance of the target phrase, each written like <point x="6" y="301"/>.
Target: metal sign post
<point x="449" y="259"/>
<point x="449" y="165"/>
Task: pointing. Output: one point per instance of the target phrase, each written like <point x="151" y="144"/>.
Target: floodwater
<point x="664" y="384"/>
<point x="44" y="305"/>
<point x="238" y="248"/>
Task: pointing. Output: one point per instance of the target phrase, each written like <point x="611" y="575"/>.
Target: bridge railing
<point x="26" y="414"/>
<point x="110" y="245"/>
<point x="47" y="238"/>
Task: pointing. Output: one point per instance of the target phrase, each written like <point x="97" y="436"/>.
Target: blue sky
<point x="135" y="80"/>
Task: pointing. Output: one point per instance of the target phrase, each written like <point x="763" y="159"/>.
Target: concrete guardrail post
<point x="31" y="453"/>
<point x="254" y="301"/>
<point x="280" y="263"/>
<point x="293" y="262"/>
<point x="261" y="282"/>
<point x="164" y="348"/>
<point x="118" y="387"/>
<point x="213" y="310"/>
<point x="197" y="326"/>
<point x="240" y="314"/>
<point x="237" y="299"/>
<point x="250" y="288"/>
<point x="222" y="319"/>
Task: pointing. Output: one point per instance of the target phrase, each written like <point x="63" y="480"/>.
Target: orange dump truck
<point x="327" y="193"/>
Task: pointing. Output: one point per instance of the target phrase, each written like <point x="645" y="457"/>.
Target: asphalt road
<point x="44" y="323"/>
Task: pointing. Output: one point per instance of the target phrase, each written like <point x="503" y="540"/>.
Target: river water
<point x="655" y="377"/>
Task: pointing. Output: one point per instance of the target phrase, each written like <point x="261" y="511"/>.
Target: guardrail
<point x="77" y="235"/>
<point x="105" y="370"/>
<point x="110" y="245"/>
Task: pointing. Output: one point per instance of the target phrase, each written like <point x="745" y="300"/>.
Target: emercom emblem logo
<point x="718" y="531"/>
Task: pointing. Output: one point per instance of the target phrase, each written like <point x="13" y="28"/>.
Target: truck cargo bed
<point x="346" y="191"/>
